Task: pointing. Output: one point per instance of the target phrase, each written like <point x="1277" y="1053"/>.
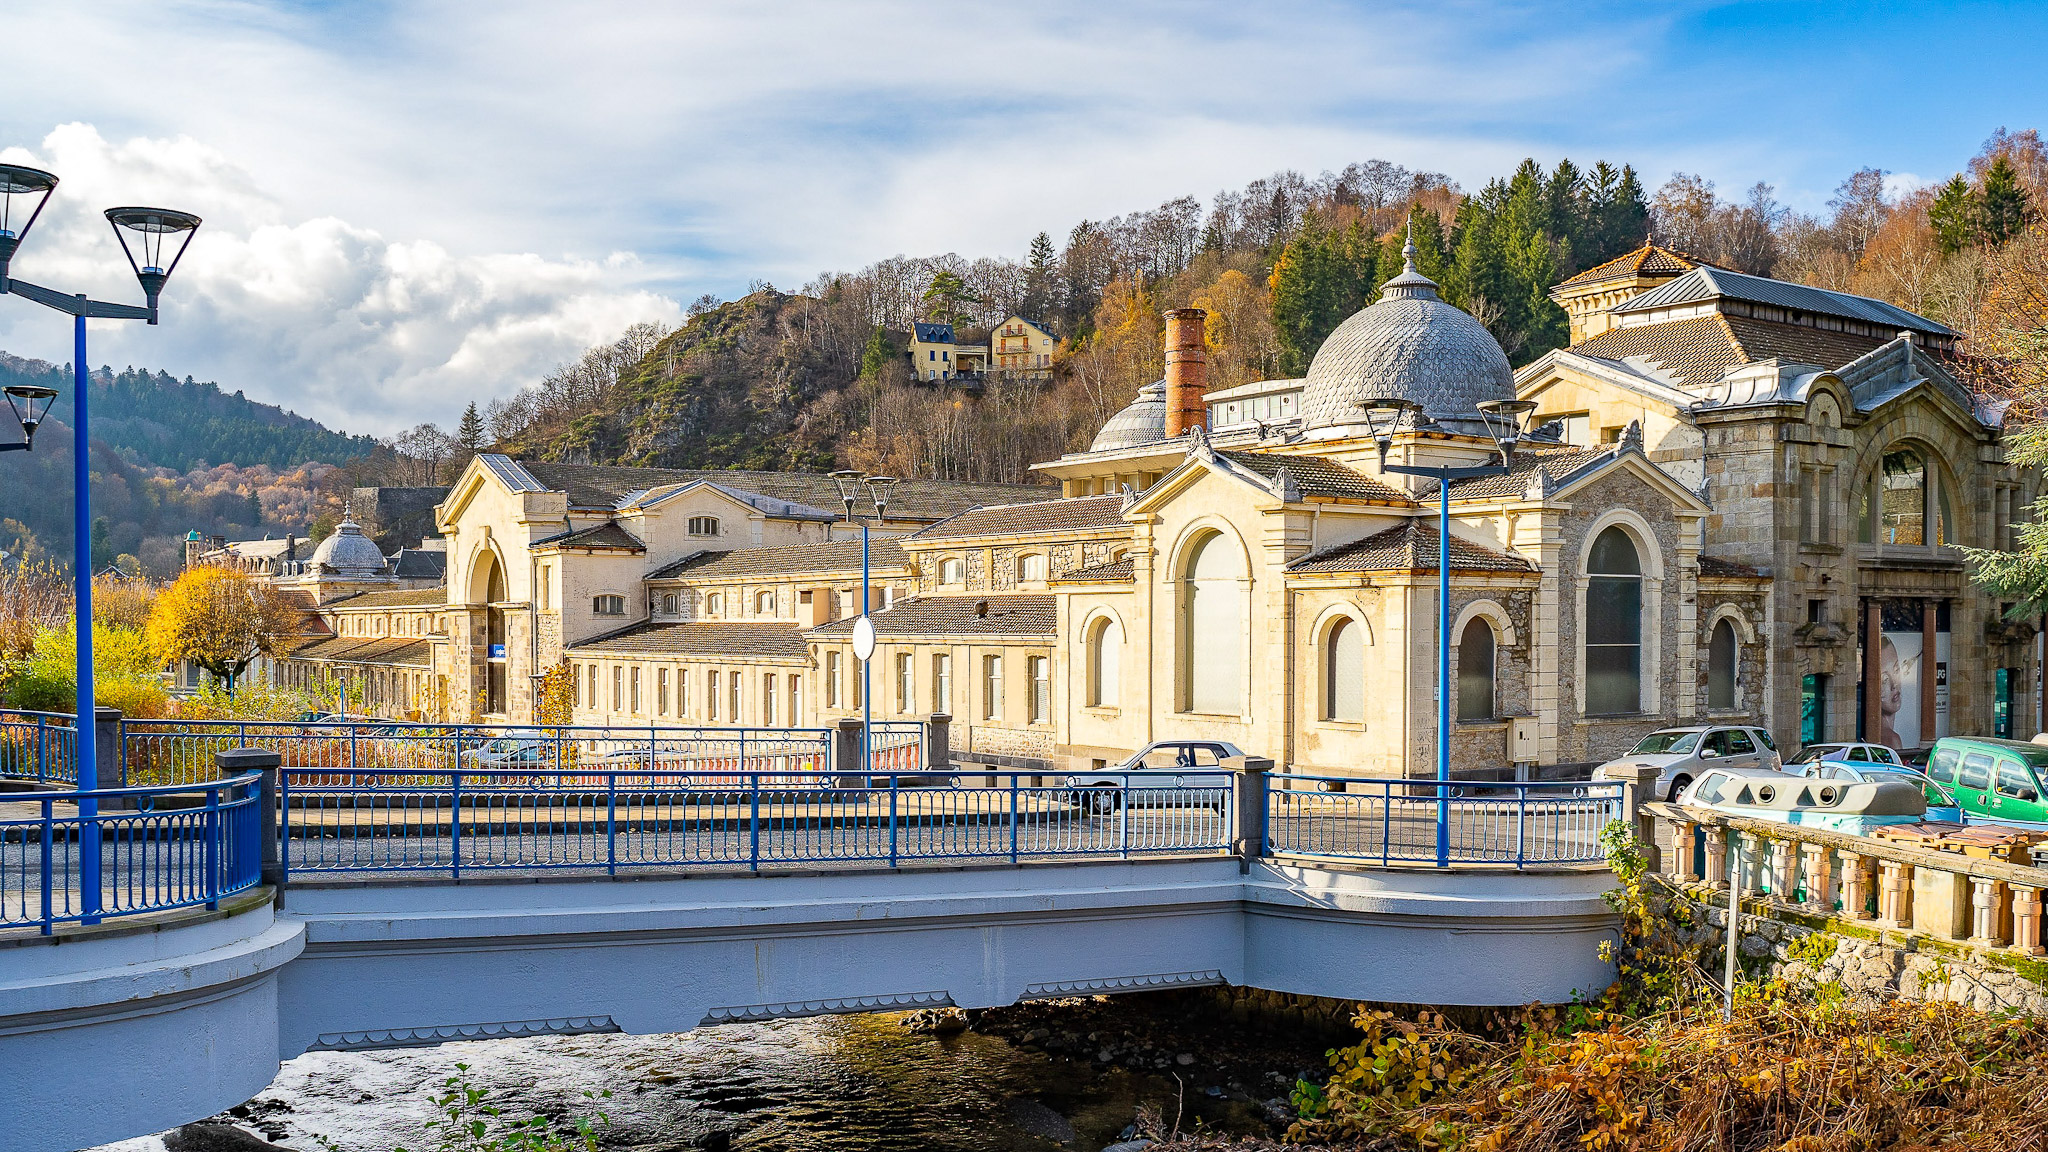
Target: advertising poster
<point x="1902" y="667"/>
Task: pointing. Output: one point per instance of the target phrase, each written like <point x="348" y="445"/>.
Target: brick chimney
<point x="1187" y="371"/>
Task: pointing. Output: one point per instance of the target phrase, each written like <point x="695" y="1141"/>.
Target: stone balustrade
<point x="1817" y="872"/>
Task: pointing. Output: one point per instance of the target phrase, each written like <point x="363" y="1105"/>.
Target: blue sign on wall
<point x="497" y="651"/>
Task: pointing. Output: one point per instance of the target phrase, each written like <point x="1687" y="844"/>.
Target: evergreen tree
<point x="1617" y="216"/>
<point x="102" y="554"/>
<point x="1041" y="280"/>
<point x="1299" y="285"/>
<point x="875" y="357"/>
<point x="946" y="299"/>
<point x="1953" y="216"/>
<point x="470" y="432"/>
<point x="2002" y="206"/>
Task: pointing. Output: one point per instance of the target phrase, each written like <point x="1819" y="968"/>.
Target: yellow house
<point x="1020" y="347"/>
<point x="936" y="355"/>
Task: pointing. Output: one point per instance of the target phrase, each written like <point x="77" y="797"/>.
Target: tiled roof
<point x="1707" y="283"/>
<point x="1700" y="350"/>
<point x="420" y="564"/>
<point x="1409" y="547"/>
<point x="603" y="486"/>
<point x="404" y="598"/>
<point x="609" y="534"/>
<point x="1316" y="476"/>
<point x="792" y="559"/>
<point x="932" y="333"/>
<point x="1019" y="615"/>
<point x="1559" y="462"/>
<point x="1112" y="572"/>
<point x="1649" y="260"/>
<point x="1074" y="514"/>
<point x="405" y="650"/>
<point x="1715" y="566"/>
<point x="772" y="641"/>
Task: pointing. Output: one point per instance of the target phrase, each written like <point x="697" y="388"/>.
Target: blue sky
<point x="411" y="205"/>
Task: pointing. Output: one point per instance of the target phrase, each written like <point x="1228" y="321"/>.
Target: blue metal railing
<point x="182" y="751"/>
<point x="1396" y="821"/>
<point x="94" y="854"/>
<point x="457" y="822"/>
<point x="38" y="746"/>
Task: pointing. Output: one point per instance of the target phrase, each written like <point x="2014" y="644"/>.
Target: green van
<point x="1996" y="779"/>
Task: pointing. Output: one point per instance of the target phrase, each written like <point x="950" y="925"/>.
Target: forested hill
<point x="155" y="419"/>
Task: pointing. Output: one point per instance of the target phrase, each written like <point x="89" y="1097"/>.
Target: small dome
<point x="1412" y="346"/>
<point x="1142" y="422"/>
<point x="349" y="553"/>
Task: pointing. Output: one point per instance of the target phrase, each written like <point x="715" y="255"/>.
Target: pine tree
<point x="470" y="433"/>
<point x="2002" y="205"/>
<point x="1953" y="216"/>
<point x="946" y="299"/>
<point x="1041" y="280"/>
<point x="1299" y="281"/>
<point x="874" y="359"/>
<point x="102" y="553"/>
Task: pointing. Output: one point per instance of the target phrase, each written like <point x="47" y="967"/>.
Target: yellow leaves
<point x="221" y="620"/>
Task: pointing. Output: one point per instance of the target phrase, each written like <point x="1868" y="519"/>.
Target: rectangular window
<point x="831" y="679"/>
<point x="796" y="699"/>
<point x="991" y="687"/>
<point x="683" y="692"/>
<point x="1041" y="689"/>
<point x="592" y="678"/>
<point x="543" y="592"/>
<point x="768" y="700"/>
<point x="635" y="680"/>
<point x="618" y="678"/>
<point x="732" y="681"/>
<point x="711" y="696"/>
<point x="576" y="683"/>
<point x="661" y="692"/>
<point x="942" y="682"/>
<point x="906" y="688"/>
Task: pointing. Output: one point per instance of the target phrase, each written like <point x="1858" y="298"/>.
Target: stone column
<point x="1248" y="839"/>
<point x="237" y="761"/>
<point x="1784" y="870"/>
<point x="1684" y="835"/>
<point x="1984" y="912"/>
<point x="1637" y="784"/>
<point x="938" y="743"/>
<point x="1873" y="669"/>
<point x="846" y="762"/>
<point x="1819" y="879"/>
<point x="1717" y="859"/>
<point x="2026" y="921"/>
<point x="1895" y="894"/>
<point x="1855" y="886"/>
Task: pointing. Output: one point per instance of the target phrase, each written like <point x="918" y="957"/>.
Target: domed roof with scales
<point x="349" y="553"/>
<point x="1410" y="345"/>
<point x="1143" y="421"/>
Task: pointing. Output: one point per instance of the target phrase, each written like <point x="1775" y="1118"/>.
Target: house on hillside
<point x="1020" y="348"/>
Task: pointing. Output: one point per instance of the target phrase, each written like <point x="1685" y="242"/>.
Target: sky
<point x="410" y="206"/>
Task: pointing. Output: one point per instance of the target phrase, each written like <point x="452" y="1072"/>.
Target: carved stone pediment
<point x="1821" y="634"/>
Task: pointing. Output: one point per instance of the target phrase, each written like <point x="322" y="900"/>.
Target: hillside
<point x="155" y="419"/>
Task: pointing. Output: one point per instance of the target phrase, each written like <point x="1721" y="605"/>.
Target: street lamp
<point x="30" y="403"/>
<point x="153" y="230"/>
<point x="1503" y="420"/>
<point x="850" y="482"/>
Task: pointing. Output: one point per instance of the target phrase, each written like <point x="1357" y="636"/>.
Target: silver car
<point x="1164" y="765"/>
<point x="1681" y="754"/>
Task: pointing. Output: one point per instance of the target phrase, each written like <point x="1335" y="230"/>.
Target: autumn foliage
<point x="221" y="621"/>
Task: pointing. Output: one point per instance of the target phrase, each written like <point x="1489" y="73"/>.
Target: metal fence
<point x="182" y="751"/>
<point x="39" y="746"/>
<point x="76" y="856"/>
<point x="491" y="820"/>
<point x="1396" y="821"/>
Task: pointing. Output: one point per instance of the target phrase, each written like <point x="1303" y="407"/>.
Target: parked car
<point x="505" y="753"/>
<point x="1160" y="764"/>
<point x="1849" y="753"/>
<point x="1941" y="801"/>
<point x="1998" y="779"/>
<point x="1679" y="754"/>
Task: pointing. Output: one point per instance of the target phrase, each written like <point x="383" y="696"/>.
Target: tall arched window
<point x="1105" y="660"/>
<point x="1344" y="671"/>
<point x="1212" y="641"/>
<point x="1475" y="671"/>
<point x="495" y="646"/>
<point x="1614" y="626"/>
<point x="1721" y="657"/>
<point x="1910" y="504"/>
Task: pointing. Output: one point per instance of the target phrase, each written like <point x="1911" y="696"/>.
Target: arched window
<point x="1212" y="640"/>
<point x="669" y="603"/>
<point x="1105" y="661"/>
<point x="1614" y="626"/>
<point x="951" y="570"/>
<point x="1031" y="566"/>
<point x="608" y="605"/>
<point x="764" y="604"/>
<point x="1721" y="658"/>
<point x="1475" y="671"/>
<point x="1905" y="503"/>
<point x="713" y="603"/>
<point x="1344" y="671"/>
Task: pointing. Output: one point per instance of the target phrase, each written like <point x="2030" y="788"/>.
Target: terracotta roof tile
<point x="610" y="534"/>
<point x="1316" y="476"/>
<point x="596" y="486"/>
<point x="1409" y="547"/>
<point x="403" y="650"/>
<point x="1649" y="260"/>
<point x="1697" y="350"/>
<point x="1559" y="462"/>
<point x="403" y="598"/>
<point x="884" y="555"/>
<point x="1074" y="514"/>
<point x="1113" y="572"/>
<point x="1024" y="615"/>
<point x="769" y="641"/>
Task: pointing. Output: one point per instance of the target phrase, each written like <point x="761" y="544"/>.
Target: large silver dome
<point x="1410" y="345"/>
<point x="1143" y="421"/>
<point x="349" y="553"/>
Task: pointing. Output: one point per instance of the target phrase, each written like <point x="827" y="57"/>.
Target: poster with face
<point x="1898" y="700"/>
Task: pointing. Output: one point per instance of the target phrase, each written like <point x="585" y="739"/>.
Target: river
<point x="846" y="1083"/>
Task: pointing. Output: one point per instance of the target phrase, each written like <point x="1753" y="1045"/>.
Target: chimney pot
<point x="1187" y="371"/>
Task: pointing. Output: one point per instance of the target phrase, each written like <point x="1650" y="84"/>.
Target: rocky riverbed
<point x="1081" y="1075"/>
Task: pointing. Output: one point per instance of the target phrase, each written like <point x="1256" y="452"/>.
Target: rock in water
<point x="214" y="1136"/>
<point x="1129" y="1146"/>
<point x="1041" y="1121"/>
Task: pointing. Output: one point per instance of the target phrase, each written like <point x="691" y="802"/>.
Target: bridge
<point x="168" y="944"/>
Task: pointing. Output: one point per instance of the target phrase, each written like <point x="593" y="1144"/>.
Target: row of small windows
<point x="1030" y="566"/>
<point x="721" y="697"/>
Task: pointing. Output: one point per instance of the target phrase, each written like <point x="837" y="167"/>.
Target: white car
<point x="1680" y="754"/>
<point x="1874" y="754"/>
<point x="1161" y="764"/>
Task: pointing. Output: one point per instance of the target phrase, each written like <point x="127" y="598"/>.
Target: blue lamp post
<point x="850" y="482"/>
<point x="151" y="232"/>
<point x="1504" y="420"/>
